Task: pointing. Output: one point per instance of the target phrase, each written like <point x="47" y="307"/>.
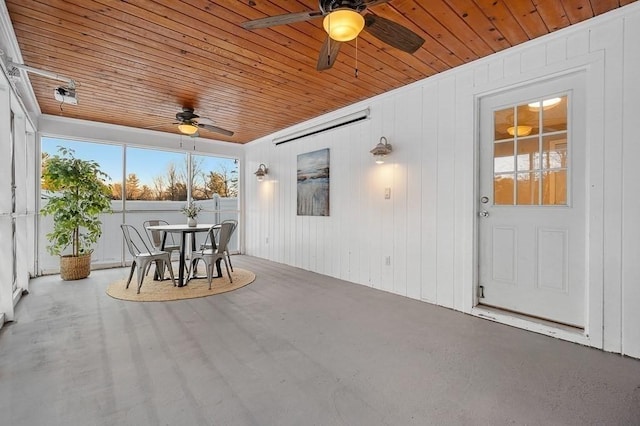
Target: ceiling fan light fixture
<point x="343" y="24"/>
<point x="188" y="128"/>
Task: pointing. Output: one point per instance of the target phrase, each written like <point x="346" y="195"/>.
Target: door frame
<point x="593" y="67"/>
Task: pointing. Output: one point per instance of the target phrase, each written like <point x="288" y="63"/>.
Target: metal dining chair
<point x="143" y="256"/>
<point x="212" y="255"/>
<point x="155" y="237"/>
<point x="208" y="246"/>
<point x="235" y="225"/>
<point x="226" y="251"/>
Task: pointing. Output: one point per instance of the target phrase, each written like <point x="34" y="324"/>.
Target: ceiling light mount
<point x="381" y="150"/>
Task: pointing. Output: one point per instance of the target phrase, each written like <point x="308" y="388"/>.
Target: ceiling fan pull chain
<point x="356" y="69"/>
<point x="329" y="44"/>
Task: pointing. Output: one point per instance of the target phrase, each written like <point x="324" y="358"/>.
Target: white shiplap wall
<point x="427" y="228"/>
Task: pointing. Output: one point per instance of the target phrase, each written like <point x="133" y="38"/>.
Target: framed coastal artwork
<point x="313" y="183"/>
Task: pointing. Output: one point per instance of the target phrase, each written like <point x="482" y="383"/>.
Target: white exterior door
<point x="531" y="206"/>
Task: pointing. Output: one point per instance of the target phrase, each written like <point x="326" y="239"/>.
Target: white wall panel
<point x="5" y="140"/>
<point x="608" y="37"/>
<point x="578" y="44"/>
<point x="429" y="197"/>
<point x="6" y="266"/>
<point x="464" y="189"/>
<point x="556" y="50"/>
<point x="411" y="140"/>
<point x="533" y="58"/>
<point x="630" y="191"/>
<point x="445" y="191"/>
<point x="496" y="68"/>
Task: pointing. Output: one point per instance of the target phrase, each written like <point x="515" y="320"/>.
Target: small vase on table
<point x="191" y="221"/>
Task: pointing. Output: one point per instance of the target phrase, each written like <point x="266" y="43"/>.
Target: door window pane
<point x="528" y="158"/>
<point x="503" y="157"/>
<point x="554" y="187"/>
<point x="528" y="189"/>
<point x="531" y="148"/>
<point x="554" y="152"/>
<point x="503" y="189"/>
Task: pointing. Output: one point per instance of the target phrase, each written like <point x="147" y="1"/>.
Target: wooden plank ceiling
<point x="139" y="62"/>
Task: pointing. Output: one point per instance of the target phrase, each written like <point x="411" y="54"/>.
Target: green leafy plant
<point x="77" y="197"/>
<point x="191" y="210"/>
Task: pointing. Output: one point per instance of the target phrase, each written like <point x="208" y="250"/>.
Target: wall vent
<point x="329" y="125"/>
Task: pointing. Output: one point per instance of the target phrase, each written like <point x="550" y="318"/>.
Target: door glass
<point x="531" y="149"/>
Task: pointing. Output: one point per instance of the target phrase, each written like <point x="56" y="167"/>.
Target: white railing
<point x="109" y="251"/>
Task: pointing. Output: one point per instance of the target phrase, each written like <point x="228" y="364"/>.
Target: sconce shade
<point x="381" y="150"/>
<point x="343" y="24"/>
<point x="261" y="172"/>
<point x="188" y="128"/>
<point x="519" y="130"/>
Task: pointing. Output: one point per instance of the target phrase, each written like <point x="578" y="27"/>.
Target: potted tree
<point x="77" y="197"/>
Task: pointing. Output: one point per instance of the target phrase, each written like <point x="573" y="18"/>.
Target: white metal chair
<point x="143" y="256"/>
<point x="214" y="253"/>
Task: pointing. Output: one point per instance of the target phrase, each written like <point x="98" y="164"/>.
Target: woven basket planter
<point x="75" y="267"/>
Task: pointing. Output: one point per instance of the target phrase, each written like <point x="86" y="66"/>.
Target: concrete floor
<point x="293" y="348"/>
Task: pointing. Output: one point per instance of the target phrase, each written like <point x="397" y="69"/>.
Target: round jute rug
<point x="162" y="291"/>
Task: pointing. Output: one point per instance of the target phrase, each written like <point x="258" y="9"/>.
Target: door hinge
<point x="481" y="292"/>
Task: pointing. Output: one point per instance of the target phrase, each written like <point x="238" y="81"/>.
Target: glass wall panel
<point x="156" y="186"/>
<point x="154" y="175"/>
<point x="109" y="157"/>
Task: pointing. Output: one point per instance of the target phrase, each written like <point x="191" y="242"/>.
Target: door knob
<point x="484" y="213"/>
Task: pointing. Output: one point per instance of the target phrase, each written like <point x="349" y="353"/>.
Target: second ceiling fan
<point x="343" y="21"/>
<point x="189" y="123"/>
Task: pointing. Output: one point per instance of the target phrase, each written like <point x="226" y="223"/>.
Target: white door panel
<point x="531" y="228"/>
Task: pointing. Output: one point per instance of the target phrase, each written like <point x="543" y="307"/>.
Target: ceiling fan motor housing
<point x="327" y="6"/>
<point x="186" y="115"/>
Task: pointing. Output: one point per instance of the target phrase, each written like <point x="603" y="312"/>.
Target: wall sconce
<point x="381" y="150"/>
<point x="261" y="172"/>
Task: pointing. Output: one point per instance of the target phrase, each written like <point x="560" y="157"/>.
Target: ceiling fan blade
<point x="288" y="18"/>
<point x="392" y="33"/>
<point x="328" y="54"/>
<point x="216" y="129"/>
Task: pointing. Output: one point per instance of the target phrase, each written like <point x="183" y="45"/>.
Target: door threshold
<point x="537" y="325"/>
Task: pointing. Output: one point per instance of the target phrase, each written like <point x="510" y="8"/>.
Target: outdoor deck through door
<point x="532" y="201"/>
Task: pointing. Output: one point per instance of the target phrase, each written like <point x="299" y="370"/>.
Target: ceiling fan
<point x="343" y="21"/>
<point x="189" y="123"/>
